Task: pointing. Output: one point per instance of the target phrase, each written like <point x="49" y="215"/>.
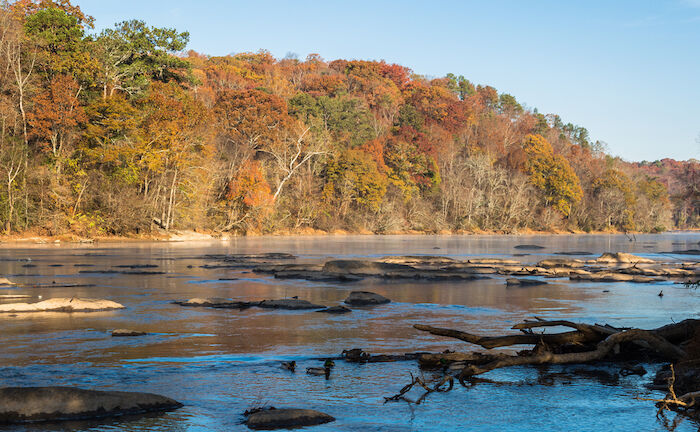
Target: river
<point x="220" y="362"/>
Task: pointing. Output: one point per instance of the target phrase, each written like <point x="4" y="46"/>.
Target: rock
<point x="291" y="304"/>
<point x="560" y="262"/>
<point x="529" y="247"/>
<point x="62" y="305"/>
<point x="205" y="302"/>
<point x="365" y="298"/>
<point x="335" y="310"/>
<point x="40" y="404"/>
<point x="622" y="257"/>
<point x="574" y="253"/>
<point x="5" y="281"/>
<point x="362" y="267"/>
<point x="524" y="282"/>
<point x="418" y="260"/>
<point x="271" y="419"/>
<point x="127" y="332"/>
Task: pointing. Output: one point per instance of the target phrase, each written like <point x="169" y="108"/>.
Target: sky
<point x="627" y="70"/>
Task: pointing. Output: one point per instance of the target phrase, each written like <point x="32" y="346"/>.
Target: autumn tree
<point x="552" y="175"/>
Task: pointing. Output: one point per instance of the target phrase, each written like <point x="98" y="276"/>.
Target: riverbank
<point x="202" y="235"/>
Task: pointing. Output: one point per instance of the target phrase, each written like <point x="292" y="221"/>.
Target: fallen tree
<point x="677" y="344"/>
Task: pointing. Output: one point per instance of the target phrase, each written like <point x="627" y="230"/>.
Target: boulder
<point x="335" y="310"/>
<point x="291" y="304"/>
<point x="62" y="305"/>
<point x="127" y="332"/>
<point x="271" y="419"/>
<point x="622" y="258"/>
<point x="365" y="298"/>
<point x="41" y="404"/>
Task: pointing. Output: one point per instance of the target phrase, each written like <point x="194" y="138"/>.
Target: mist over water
<point x="220" y="362"/>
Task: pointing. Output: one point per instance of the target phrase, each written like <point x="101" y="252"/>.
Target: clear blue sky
<point x="627" y="70"/>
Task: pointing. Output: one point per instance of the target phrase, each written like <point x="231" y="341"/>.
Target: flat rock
<point x="524" y="282"/>
<point x="622" y="257"/>
<point x="365" y="298"/>
<point x="529" y="247"/>
<point x="40" y="404"/>
<point x="335" y="310"/>
<point x="561" y="262"/>
<point x="62" y="305"/>
<point x="362" y="267"/>
<point x="271" y="419"/>
<point x="290" y="304"/>
<point x="127" y="332"/>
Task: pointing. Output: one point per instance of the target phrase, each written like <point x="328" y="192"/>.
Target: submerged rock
<point x="335" y="310"/>
<point x="529" y="247"/>
<point x="62" y="305"/>
<point x="41" y="404"/>
<point x="365" y="298"/>
<point x="127" y="332"/>
<point x="271" y="419"/>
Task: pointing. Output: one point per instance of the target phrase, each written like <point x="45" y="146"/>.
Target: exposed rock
<point x="529" y="247"/>
<point x="365" y="298"/>
<point x="39" y="404"/>
<point x="62" y="305"/>
<point x="622" y="257"/>
<point x="414" y="260"/>
<point x="271" y="419"/>
<point x="524" y="282"/>
<point x="215" y="302"/>
<point x="5" y="281"/>
<point x="362" y="267"/>
<point x="335" y="310"/>
<point x="561" y="262"/>
<point x="291" y="304"/>
<point x="127" y="332"/>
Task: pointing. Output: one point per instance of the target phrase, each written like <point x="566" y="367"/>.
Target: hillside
<point x="119" y="133"/>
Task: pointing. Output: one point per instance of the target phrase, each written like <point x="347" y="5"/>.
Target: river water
<point x="220" y="362"/>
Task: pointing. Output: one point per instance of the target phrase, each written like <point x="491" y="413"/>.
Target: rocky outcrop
<point x="622" y="258"/>
<point x="221" y="303"/>
<point x="270" y="419"/>
<point x="289" y="304"/>
<point x="62" y="305"/>
<point x="43" y="404"/>
<point x="365" y="298"/>
<point x="561" y="262"/>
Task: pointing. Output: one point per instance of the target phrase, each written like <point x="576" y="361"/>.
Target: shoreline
<point x="177" y="236"/>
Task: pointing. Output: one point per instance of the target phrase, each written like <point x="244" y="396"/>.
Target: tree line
<point x="122" y="132"/>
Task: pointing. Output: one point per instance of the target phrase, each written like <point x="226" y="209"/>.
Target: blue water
<point x="221" y="362"/>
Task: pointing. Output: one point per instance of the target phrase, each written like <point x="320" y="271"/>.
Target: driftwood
<point x="586" y="343"/>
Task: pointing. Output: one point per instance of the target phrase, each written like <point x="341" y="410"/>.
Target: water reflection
<point x="221" y="362"/>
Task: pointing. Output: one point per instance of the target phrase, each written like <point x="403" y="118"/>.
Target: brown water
<point x="221" y="362"/>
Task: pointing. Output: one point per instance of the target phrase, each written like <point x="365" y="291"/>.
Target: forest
<point x="124" y="132"/>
